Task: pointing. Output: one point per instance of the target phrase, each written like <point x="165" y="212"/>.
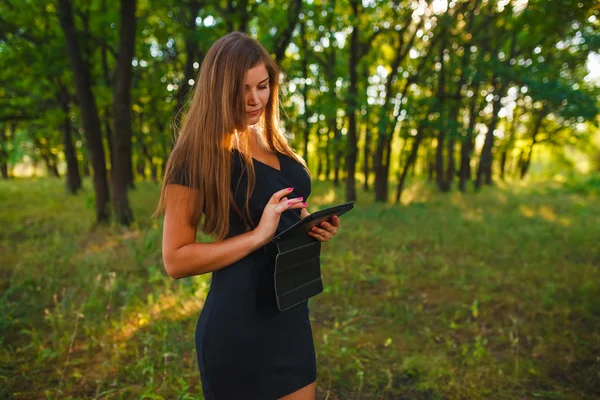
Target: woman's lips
<point x="254" y="113"/>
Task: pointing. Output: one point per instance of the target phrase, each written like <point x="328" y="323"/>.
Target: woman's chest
<point x="268" y="181"/>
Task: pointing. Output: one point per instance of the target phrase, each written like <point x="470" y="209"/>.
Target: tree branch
<point x="101" y="44"/>
<point x="23" y="117"/>
<point x="286" y="35"/>
<point x="7" y="27"/>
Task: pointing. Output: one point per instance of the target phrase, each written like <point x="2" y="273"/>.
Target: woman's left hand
<point x="326" y="230"/>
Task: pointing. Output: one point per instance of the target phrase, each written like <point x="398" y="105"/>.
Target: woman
<point x="232" y="172"/>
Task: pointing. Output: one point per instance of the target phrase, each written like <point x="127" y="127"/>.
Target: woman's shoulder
<point x="180" y="175"/>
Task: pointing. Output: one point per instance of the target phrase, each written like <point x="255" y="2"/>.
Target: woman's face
<point x="257" y="91"/>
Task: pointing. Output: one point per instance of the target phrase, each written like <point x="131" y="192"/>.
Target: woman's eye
<point x="262" y="87"/>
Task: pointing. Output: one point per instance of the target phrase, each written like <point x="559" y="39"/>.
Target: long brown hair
<point x="215" y="124"/>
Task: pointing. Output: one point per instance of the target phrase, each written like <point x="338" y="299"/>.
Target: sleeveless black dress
<point x="246" y="347"/>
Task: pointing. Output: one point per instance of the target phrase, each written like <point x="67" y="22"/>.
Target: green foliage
<point x="550" y="47"/>
<point x="588" y="185"/>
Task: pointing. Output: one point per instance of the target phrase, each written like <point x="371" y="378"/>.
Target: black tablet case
<point x="297" y="273"/>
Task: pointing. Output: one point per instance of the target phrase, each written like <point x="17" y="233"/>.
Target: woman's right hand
<point x="269" y="221"/>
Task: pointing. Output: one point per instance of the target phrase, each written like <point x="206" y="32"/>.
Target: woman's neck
<point x="256" y="142"/>
<point x="250" y="141"/>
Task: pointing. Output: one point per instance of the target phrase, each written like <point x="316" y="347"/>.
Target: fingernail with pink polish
<point x="289" y="202"/>
<point x="305" y="204"/>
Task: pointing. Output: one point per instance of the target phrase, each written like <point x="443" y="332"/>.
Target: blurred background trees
<point x="461" y="93"/>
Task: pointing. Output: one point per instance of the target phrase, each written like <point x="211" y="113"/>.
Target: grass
<point x="493" y="295"/>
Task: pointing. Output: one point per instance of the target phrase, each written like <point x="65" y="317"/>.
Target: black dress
<point x="246" y="347"/>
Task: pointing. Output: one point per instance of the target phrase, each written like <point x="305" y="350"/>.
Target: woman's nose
<point x="252" y="97"/>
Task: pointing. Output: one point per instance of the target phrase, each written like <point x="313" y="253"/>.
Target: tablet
<point x="314" y="219"/>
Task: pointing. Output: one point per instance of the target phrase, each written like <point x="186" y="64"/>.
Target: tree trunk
<point x="431" y="163"/>
<point x="441" y="97"/>
<point x="337" y="154"/>
<point x="328" y="157"/>
<point x="73" y="182"/>
<point x="451" y="166"/>
<point x="367" y="151"/>
<point x="141" y="168"/>
<point x="154" y="172"/>
<point x="402" y="154"/>
<point x="382" y="157"/>
<point x="467" y="143"/>
<point x="453" y="131"/>
<point x="384" y="142"/>
<point x="352" y="143"/>
<point x="285" y="36"/>
<point x="333" y="150"/>
<point x="319" y="148"/>
<point x="526" y="161"/>
<point x="319" y="165"/>
<point x="89" y="112"/>
<point x="381" y="176"/>
<point x="109" y="138"/>
<point x="503" y="157"/>
<point x="383" y="148"/>
<point x="3" y="153"/>
<point x="388" y="157"/>
<point x="411" y="159"/>
<point x="191" y="51"/>
<point x="508" y="144"/>
<point x="457" y="100"/>
<point x="146" y="153"/>
<point x="304" y="48"/>
<point x="484" y="172"/>
<point x="50" y="162"/>
<point x="305" y="140"/>
<point x="130" y="178"/>
<point x="122" y="145"/>
<point x="85" y="168"/>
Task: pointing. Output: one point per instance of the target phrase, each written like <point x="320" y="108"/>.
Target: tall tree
<point x="468" y="141"/>
<point x="122" y="144"/>
<point x="441" y="94"/>
<point x="352" y="137"/>
<point x="189" y="11"/>
<point x="304" y="89"/>
<point x="73" y="182"/>
<point x="387" y="123"/>
<point x="466" y="45"/>
<point x="284" y="34"/>
<point x="3" y="151"/>
<point x="89" y="111"/>
<point x="500" y="83"/>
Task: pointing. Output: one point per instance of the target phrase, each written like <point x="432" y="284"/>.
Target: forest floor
<point x="490" y="295"/>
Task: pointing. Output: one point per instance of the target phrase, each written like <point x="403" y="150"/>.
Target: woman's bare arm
<point x="183" y="257"/>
